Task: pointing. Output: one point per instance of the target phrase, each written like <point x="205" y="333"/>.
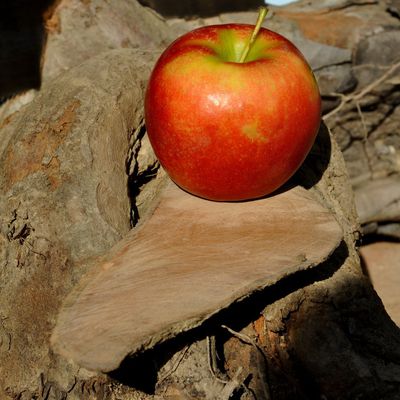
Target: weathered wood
<point x="79" y="30"/>
<point x="192" y="258"/>
<point x="324" y="332"/>
<point x="64" y="200"/>
<point x="379" y="200"/>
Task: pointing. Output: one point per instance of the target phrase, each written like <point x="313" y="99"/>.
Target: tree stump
<point x="78" y="174"/>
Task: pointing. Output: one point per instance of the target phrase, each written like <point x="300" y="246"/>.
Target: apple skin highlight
<point x="225" y="130"/>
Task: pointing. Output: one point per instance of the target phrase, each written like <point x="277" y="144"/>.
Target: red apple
<point x="230" y="130"/>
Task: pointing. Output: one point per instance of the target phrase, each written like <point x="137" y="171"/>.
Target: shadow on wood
<point x="317" y="161"/>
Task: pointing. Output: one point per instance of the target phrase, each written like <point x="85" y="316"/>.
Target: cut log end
<point x="190" y="260"/>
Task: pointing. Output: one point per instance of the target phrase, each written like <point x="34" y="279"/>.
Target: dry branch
<point x="356" y="97"/>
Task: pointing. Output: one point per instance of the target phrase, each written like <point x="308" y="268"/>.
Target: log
<point x="64" y="200"/>
<point x="78" y="174"/>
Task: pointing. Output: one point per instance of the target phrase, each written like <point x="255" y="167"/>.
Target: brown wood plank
<point x="189" y="260"/>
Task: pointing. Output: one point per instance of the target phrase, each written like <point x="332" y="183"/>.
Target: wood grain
<point x="189" y="260"/>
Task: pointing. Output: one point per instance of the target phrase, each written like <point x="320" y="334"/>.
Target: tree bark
<point x="78" y="173"/>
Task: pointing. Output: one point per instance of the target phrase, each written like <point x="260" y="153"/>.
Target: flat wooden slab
<point x="192" y="258"/>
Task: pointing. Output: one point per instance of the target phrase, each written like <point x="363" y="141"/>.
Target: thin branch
<point x="377" y="82"/>
<point x="365" y="139"/>
<point x="212" y="359"/>
<point x="211" y="355"/>
<point x="345" y="99"/>
<point x="364" y="125"/>
<point x="241" y="336"/>
<point x="232" y="385"/>
<point x="175" y="366"/>
<point x="371" y="65"/>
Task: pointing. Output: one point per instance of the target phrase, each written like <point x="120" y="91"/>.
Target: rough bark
<point x="64" y="197"/>
<point x="77" y="172"/>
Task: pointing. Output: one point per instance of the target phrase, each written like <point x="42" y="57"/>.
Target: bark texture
<point x="64" y="197"/>
<point x="78" y="172"/>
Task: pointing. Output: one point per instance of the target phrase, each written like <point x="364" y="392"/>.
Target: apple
<point x="232" y="111"/>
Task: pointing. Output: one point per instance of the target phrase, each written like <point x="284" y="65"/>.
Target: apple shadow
<point x="313" y="167"/>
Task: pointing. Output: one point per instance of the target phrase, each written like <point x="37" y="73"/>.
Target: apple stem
<point x="262" y="13"/>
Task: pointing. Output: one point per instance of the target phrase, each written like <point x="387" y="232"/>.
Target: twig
<point x="232" y="385"/>
<point x="377" y="82"/>
<point x="242" y="337"/>
<point x="212" y="359"/>
<point x="345" y="99"/>
<point x="365" y="138"/>
<point x="364" y="125"/>
<point x="175" y="366"/>
<point x="371" y="65"/>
